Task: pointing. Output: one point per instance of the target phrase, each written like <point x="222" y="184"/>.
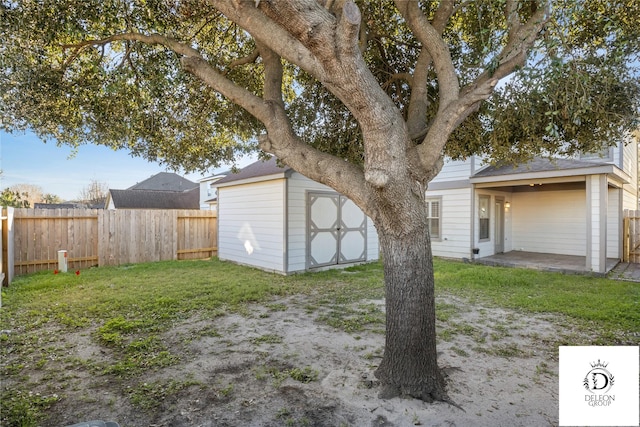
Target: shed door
<point x="336" y="231"/>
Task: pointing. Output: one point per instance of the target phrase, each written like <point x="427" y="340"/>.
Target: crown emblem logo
<point x="599" y="364"/>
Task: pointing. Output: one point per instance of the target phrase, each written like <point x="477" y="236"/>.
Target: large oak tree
<point x="366" y="97"/>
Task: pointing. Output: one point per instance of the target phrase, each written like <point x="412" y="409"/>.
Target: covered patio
<point x="570" y="208"/>
<point x="568" y="264"/>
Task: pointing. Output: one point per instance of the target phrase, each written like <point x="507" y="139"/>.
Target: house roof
<point x="155" y="199"/>
<point x="214" y="177"/>
<point x="255" y="171"/>
<point x="165" y="181"/>
<point x="548" y="170"/>
<point x="537" y="165"/>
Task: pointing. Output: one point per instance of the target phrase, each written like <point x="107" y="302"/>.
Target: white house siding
<point x="298" y="187"/>
<point x="458" y="170"/>
<point x="630" y="160"/>
<point x="614" y="218"/>
<point x="252" y="214"/>
<point x="630" y="198"/>
<point x="455" y="223"/>
<point x="549" y="222"/>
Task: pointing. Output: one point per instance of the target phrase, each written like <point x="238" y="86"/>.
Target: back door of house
<point x="336" y="230"/>
<point x="499" y="224"/>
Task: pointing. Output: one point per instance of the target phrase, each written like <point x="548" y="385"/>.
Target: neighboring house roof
<point x="57" y="205"/>
<point x="155" y="199"/>
<point x="165" y="181"/>
<point x="255" y="172"/>
<point x="537" y="165"/>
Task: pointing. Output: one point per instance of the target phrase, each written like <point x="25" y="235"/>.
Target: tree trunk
<point x="409" y="365"/>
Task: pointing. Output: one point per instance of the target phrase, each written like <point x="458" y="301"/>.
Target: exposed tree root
<point x="426" y="392"/>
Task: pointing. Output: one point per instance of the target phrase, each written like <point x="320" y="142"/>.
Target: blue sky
<point x="25" y="159"/>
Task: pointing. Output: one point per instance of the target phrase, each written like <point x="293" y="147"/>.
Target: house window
<point x="433" y="217"/>
<point x="483" y="214"/>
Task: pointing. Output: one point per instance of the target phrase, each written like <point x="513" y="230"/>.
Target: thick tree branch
<point x="419" y="101"/>
<point x="193" y="62"/>
<point x="272" y="75"/>
<point x="348" y="29"/>
<point x="308" y="22"/>
<point x="521" y="38"/>
<point x="151" y="39"/>
<point x="447" y="120"/>
<point x="200" y="68"/>
<point x="346" y="75"/>
<point x="270" y="33"/>
<point x="437" y="48"/>
<point x="342" y="176"/>
<point x="513" y="55"/>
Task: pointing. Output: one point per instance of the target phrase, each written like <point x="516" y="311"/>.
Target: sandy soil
<point x="501" y="367"/>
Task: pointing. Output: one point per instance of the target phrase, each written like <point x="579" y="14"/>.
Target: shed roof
<point x="165" y="181"/>
<point x="155" y="199"/>
<point x="261" y="168"/>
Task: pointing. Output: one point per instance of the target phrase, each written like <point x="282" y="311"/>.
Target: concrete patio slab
<point x="567" y="264"/>
<point x="626" y="271"/>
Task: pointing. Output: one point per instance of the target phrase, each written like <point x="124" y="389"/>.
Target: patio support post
<point x="597" y="202"/>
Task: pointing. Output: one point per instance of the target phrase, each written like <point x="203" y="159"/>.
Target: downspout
<point x="589" y="230"/>
<point x="472" y="247"/>
<point x="472" y="213"/>
<point x="285" y="245"/>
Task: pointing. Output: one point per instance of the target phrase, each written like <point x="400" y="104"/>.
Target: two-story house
<point x="570" y="206"/>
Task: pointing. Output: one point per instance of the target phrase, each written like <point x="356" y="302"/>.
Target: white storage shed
<point x="276" y="219"/>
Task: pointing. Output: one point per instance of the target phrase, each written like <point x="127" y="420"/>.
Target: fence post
<point x="2" y="245"/>
<point x="625" y="237"/>
<point x="8" y="259"/>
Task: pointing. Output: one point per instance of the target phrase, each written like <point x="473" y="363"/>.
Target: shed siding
<point x="549" y="222"/>
<point x="252" y="213"/>
<point x="298" y="186"/>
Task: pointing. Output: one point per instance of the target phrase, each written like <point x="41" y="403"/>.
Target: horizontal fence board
<point x="94" y="237"/>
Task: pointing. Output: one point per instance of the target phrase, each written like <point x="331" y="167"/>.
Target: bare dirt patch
<point x="283" y="364"/>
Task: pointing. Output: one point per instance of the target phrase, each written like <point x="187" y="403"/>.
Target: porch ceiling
<point x="531" y="187"/>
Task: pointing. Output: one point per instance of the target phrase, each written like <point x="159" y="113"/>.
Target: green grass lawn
<point x="152" y="294"/>
<point x="126" y="308"/>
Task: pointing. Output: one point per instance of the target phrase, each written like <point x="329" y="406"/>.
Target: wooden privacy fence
<point x="631" y="236"/>
<point x="31" y="238"/>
